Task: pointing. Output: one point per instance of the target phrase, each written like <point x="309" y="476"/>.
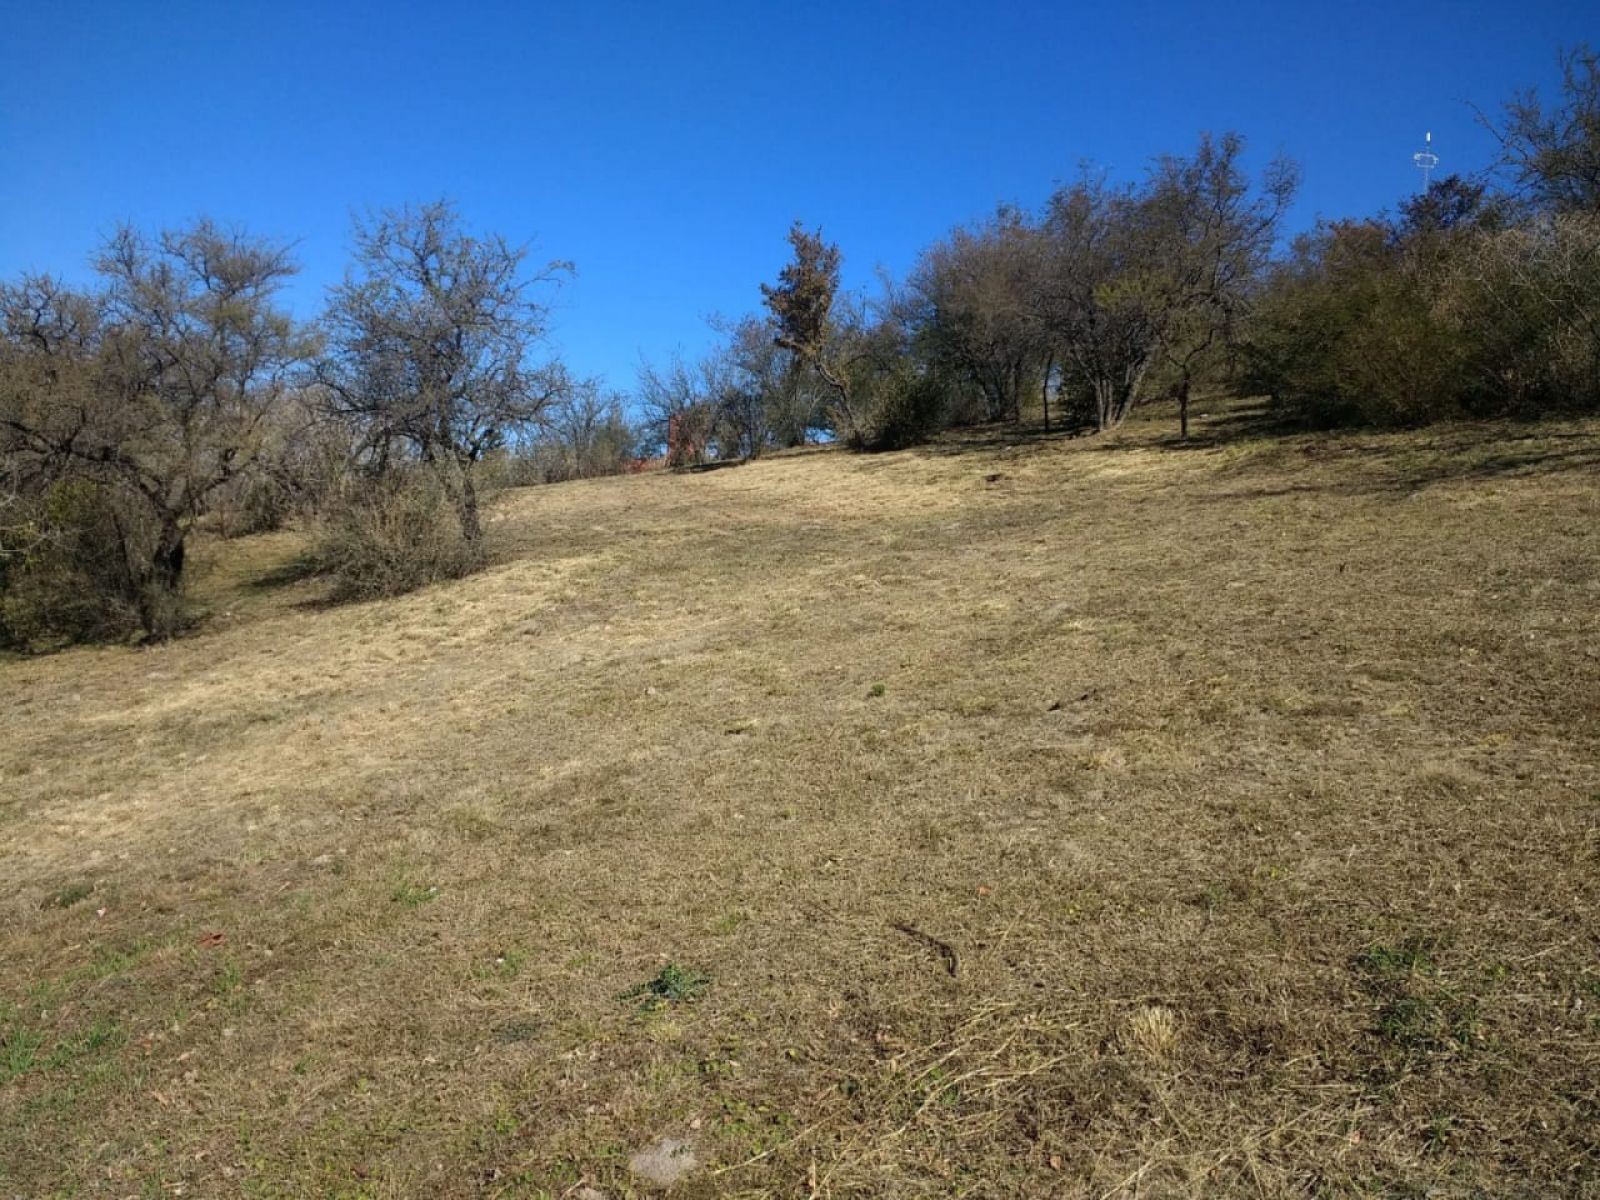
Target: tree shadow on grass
<point x="1154" y="427"/>
<point x="715" y="464"/>
<point x="302" y="568"/>
<point x="1225" y="422"/>
<point x="301" y="571"/>
<point x="1401" y="463"/>
<point x="1337" y="460"/>
<point x="996" y="438"/>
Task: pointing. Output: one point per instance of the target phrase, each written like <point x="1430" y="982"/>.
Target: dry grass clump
<point x="1018" y="816"/>
<point x="1152" y="1030"/>
<point x="389" y="536"/>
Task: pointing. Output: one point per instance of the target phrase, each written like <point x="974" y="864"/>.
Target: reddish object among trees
<point x="686" y="441"/>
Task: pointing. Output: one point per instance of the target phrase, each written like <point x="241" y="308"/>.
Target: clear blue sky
<point x="665" y="147"/>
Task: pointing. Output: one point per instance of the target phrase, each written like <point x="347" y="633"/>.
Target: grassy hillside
<point x="1017" y="816"/>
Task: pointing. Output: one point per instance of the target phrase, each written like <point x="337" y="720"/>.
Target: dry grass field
<point x="1018" y="816"/>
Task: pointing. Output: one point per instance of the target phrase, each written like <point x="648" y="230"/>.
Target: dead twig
<point x="945" y="950"/>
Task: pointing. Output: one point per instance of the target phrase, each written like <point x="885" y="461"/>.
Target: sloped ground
<point x="1072" y="818"/>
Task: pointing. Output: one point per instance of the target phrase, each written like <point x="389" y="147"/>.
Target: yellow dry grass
<point x="1050" y="817"/>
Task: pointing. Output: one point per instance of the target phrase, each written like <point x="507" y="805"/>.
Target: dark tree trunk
<point x="155" y="587"/>
<point x="1044" y="391"/>
<point x="471" y="525"/>
<point x="1183" y="408"/>
<point x="167" y="561"/>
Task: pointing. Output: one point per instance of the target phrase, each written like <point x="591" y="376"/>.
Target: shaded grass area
<point x="1252" y="786"/>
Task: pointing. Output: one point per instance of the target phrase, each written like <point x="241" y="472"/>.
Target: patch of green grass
<point x="1417" y="1014"/>
<point x="1439" y="1134"/>
<point x="118" y="960"/>
<point x="516" y="1031"/>
<point x="72" y="893"/>
<point x="671" y="985"/>
<point x="728" y="922"/>
<point x="507" y="964"/>
<point x="1405" y="958"/>
<point x="757" y="1128"/>
<point x="718" y="1066"/>
<point x="227" y="979"/>
<point x="940" y="1087"/>
<point x="102" y="1035"/>
<point x="412" y="894"/>
<point x="18" y="1048"/>
<point x="1429" y="1023"/>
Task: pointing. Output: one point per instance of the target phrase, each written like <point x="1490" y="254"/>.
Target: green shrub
<point x="1376" y="324"/>
<point x="905" y="409"/>
<point x="74" y="568"/>
<point x="671" y="985"/>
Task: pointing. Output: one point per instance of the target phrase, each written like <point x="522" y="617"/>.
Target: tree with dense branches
<point x="1213" y="234"/>
<point x="155" y="388"/>
<point x="432" y="337"/>
<point x="1553" y="154"/>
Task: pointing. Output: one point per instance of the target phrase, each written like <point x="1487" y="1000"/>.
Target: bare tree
<point x="582" y="435"/>
<point x="158" y="386"/>
<point x="748" y="387"/>
<point x="432" y="337"/>
<point x="678" y="411"/>
<point x="1213" y="234"/>
<point x="1553" y="155"/>
<point x="784" y="402"/>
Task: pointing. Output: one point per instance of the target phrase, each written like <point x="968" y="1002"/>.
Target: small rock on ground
<point x="664" y="1163"/>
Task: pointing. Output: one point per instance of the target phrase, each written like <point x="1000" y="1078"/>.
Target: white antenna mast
<point x="1426" y="160"/>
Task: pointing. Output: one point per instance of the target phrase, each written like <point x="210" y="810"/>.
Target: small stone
<point x="663" y="1164"/>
